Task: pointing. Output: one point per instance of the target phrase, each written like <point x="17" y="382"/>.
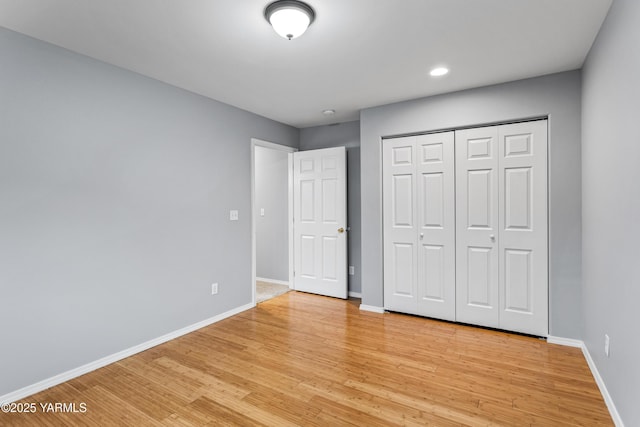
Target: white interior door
<point x="320" y="216"/>
<point x="419" y="225"/>
<point x="477" y="226"/>
<point x="523" y="227"/>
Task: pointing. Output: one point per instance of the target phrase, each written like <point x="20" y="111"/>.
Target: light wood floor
<point x="301" y="359"/>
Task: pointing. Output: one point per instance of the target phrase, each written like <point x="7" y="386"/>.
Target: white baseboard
<point x="613" y="411"/>
<point x="107" y="360"/>
<point x="277" y="282"/>
<point x="355" y="294"/>
<point x="371" y="308"/>
<point x="603" y="388"/>
<point x="569" y="342"/>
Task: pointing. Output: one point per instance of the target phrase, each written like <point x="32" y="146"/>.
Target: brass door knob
<point x="340" y="230"/>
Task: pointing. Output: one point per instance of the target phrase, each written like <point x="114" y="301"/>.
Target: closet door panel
<point x="523" y="211"/>
<point x="436" y="213"/>
<point x="477" y="226"/>
<point x="400" y="224"/>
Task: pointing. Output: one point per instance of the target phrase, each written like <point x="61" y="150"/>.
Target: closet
<point x="465" y="226"/>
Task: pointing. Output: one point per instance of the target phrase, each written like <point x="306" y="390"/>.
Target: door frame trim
<point x="255" y="142"/>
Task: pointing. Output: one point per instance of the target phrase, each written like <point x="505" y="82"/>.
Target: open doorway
<point x="272" y="219"/>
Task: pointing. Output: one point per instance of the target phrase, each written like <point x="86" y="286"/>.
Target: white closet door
<point x="473" y="249"/>
<point x="419" y="225"/>
<point x="523" y="227"/>
<point x="436" y="225"/>
<point x="477" y="226"/>
<point x="400" y="224"/>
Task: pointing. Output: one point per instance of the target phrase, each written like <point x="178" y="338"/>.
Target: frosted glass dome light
<point x="289" y="18"/>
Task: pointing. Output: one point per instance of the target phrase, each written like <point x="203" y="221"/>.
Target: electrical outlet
<point x="233" y="215"/>
<point x="261" y="211"/>
<point x="214" y="288"/>
<point x="606" y="345"/>
<point x="352" y="270"/>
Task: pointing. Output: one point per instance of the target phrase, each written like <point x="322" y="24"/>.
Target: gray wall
<point x="272" y="229"/>
<point x="115" y="191"/>
<point x="611" y="205"/>
<point x="557" y="96"/>
<point x="344" y="135"/>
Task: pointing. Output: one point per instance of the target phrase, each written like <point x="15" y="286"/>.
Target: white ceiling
<point x="357" y="53"/>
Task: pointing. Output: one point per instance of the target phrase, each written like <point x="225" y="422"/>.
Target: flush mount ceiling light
<point x="289" y="18"/>
<point x="439" y="72"/>
<point x="329" y="112"/>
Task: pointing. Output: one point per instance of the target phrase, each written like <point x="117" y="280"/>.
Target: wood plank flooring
<point x="301" y="359"/>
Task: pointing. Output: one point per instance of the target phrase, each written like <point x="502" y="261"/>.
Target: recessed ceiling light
<point x="328" y="112"/>
<point x="439" y="71"/>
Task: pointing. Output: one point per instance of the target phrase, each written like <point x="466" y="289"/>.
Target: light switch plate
<point x="233" y="215"/>
<point x="261" y="211"/>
